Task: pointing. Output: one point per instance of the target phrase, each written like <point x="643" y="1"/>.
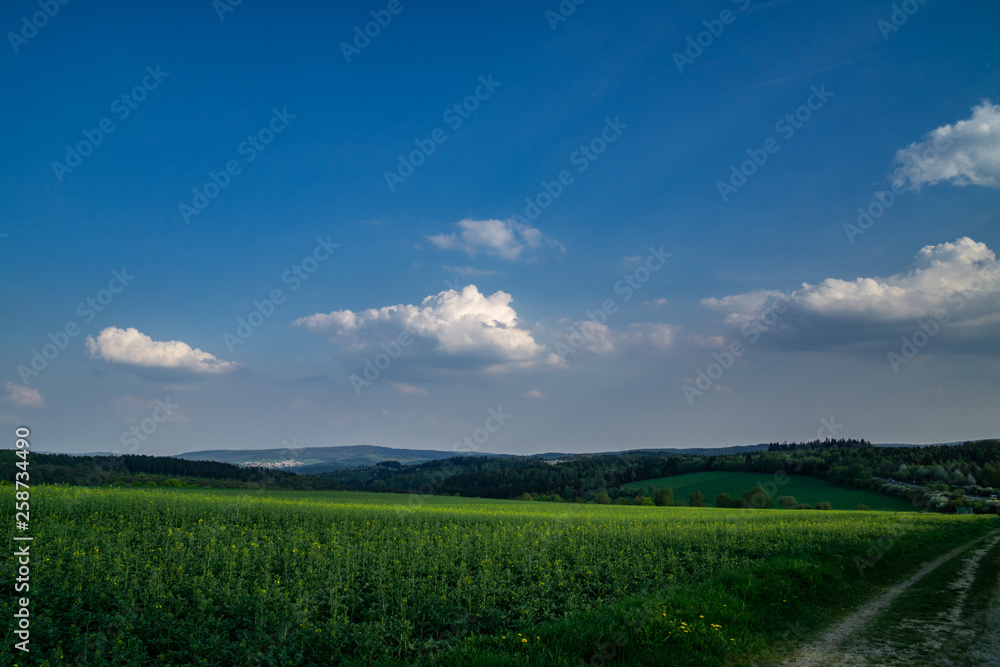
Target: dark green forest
<point x="939" y="477"/>
<point x="133" y="470"/>
<point x="947" y="473"/>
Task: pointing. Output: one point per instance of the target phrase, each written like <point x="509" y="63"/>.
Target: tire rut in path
<point x="827" y="649"/>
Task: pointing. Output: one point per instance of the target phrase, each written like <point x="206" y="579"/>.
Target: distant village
<point x="290" y="463"/>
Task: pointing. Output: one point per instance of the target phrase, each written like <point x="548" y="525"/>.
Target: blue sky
<point x="695" y="273"/>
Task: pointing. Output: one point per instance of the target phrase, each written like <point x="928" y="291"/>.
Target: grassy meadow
<point x="200" y="577"/>
<point x="805" y="489"/>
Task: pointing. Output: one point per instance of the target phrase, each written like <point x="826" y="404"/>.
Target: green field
<point x="179" y="577"/>
<point x="805" y="489"/>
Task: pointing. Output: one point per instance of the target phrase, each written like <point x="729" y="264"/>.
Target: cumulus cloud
<point x="408" y="389"/>
<point x="506" y="239"/>
<point x="133" y="348"/>
<point x="959" y="280"/>
<point x="966" y="153"/>
<point x="534" y="393"/>
<point x="458" y="324"/>
<point x="655" y="303"/>
<point x="22" y="396"/>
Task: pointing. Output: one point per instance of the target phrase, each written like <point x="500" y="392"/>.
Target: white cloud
<point x="629" y="262"/>
<point x="134" y="348"/>
<point x="467" y="324"/>
<point x="26" y="397"/>
<point x="409" y="389"/>
<point x="657" y="335"/>
<point x="590" y="336"/>
<point x="656" y="303"/>
<point x="602" y="340"/>
<point x="497" y="238"/>
<point x="472" y="271"/>
<point x="960" y="279"/>
<point x="965" y="153"/>
<point x="534" y="393"/>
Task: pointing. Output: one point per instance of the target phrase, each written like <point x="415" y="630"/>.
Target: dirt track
<point x="945" y="634"/>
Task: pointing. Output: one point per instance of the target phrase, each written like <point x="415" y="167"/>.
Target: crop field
<point x="177" y="577"/>
<point x="805" y="489"/>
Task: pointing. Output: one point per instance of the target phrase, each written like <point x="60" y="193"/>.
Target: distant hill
<point x="311" y="460"/>
<point x="314" y="460"/>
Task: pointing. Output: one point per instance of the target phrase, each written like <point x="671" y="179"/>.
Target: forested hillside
<point x="951" y="472"/>
<point x="151" y="471"/>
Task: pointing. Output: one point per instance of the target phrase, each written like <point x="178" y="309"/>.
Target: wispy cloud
<point x="472" y="271"/>
<point x="803" y="75"/>
<point x="505" y="239"/>
<point x="22" y="396"/>
<point x="408" y="389"/>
